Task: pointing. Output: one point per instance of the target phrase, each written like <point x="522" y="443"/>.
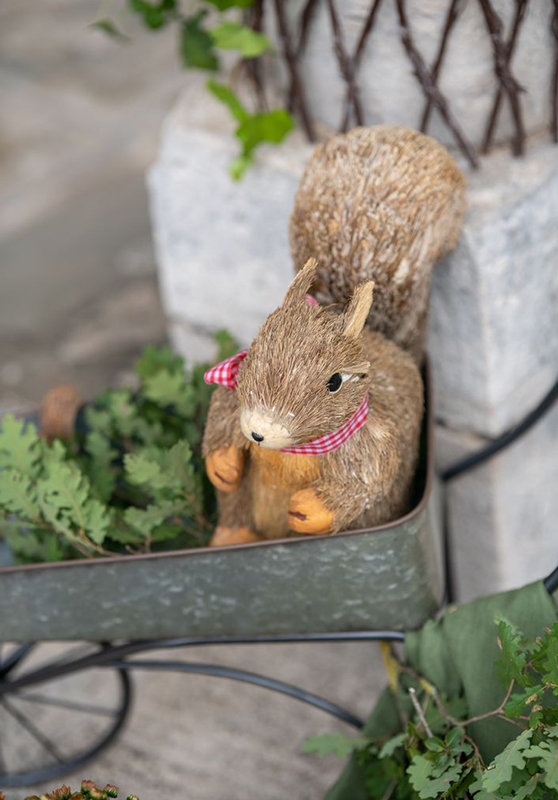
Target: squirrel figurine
<point x="315" y="428"/>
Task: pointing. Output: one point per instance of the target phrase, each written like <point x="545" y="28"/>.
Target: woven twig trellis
<point x="294" y="35"/>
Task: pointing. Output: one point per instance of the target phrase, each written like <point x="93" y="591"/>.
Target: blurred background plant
<point x="204" y="36"/>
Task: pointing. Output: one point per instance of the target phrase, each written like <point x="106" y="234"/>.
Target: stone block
<point x="493" y="323"/>
<point x="222" y="246"/>
<point x="503" y="514"/>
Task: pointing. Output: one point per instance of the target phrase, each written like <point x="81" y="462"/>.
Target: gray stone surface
<point x="222" y="247"/>
<point x="503" y="514"/>
<point x="208" y="739"/>
<point x="79" y="118"/>
<point x="493" y="322"/>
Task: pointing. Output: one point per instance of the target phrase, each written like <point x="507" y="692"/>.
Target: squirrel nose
<point x="257" y="437"/>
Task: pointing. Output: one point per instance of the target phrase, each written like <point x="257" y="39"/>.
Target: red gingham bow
<point x="225" y="374"/>
<point x="226" y="371"/>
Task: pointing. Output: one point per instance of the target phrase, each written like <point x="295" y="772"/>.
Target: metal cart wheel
<point x="62" y="722"/>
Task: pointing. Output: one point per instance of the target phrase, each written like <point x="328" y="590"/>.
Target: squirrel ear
<point x="357" y="310"/>
<point x="301" y="283"/>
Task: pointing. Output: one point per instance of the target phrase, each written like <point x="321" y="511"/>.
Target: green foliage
<point x="154" y="15"/>
<point x="224" y="5"/>
<point x="199" y="47"/>
<point x="108" y="27"/>
<point x="253" y="129"/>
<point x="196" y="44"/>
<point x="435" y="756"/>
<point x="133" y="480"/>
<point x="234" y="36"/>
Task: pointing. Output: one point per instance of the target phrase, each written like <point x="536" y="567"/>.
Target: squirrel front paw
<point x="308" y="514"/>
<point x="224" y="468"/>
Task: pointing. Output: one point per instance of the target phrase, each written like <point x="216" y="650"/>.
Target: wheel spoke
<point x="32" y="730"/>
<point x="13" y="659"/>
<point x="69" y="704"/>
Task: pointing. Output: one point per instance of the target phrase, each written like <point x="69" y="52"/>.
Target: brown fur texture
<point x="377" y="207"/>
<point x="382" y="203"/>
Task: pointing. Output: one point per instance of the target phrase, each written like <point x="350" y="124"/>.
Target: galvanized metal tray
<point x="376" y="579"/>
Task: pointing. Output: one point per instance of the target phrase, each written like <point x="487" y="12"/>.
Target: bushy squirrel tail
<point x="381" y="203"/>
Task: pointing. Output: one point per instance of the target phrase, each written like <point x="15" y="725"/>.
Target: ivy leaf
<point x="107" y="26"/>
<point x="224" y="5"/>
<point x="337" y="744"/>
<point x="253" y="129"/>
<point x="19" y="444"/>
<point x="513" y="756"/>
<point x="226" y="96"/>
<point x="196" y="45"/>
<point x="232" y="35"/>
<point x="510" y="661"/>
<point x="154" y="15"/>
<point x="271" y="126"/>
<point x="239" y="165"/>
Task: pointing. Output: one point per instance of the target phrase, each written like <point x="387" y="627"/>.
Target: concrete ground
<point x="78" y="299"/>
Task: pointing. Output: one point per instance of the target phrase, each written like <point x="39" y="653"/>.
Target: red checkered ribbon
<point x="226" y="371"/>
<point x="331" y="441"/>
<point x="225" y="374"/>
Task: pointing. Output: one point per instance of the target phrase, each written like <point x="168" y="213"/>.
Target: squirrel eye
<point x="334" y="383"/>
